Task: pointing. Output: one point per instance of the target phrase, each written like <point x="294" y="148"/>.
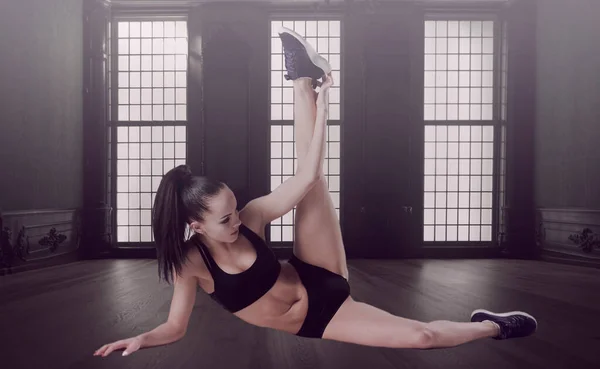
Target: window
<point x="149" y="116"/>
<point x="325" y="37"/>
<point x="459" y="115"/>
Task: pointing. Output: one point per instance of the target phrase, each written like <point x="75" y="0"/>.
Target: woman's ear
<point x="196" y="227"/>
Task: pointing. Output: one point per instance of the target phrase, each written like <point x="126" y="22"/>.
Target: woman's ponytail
<point x="169" y="221"/>
<point x="180" y="199"/>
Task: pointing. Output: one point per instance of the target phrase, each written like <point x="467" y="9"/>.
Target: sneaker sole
<point x="503" y="314"/>
<point x="315" y="58"/>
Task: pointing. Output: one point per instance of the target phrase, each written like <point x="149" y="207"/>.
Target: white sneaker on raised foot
<point x="301" y="59"/>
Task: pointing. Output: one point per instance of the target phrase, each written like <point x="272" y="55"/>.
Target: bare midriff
<point x="283" y="307"/>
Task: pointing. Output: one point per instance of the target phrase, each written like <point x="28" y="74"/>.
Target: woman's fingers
<point x="129" y="345"/>
<point x="328" y="82"/>
<point x="100" y="350"/>
<point x="324" y="91"/>
<point x="113" y="347"/>
<point x="108" y="348"/>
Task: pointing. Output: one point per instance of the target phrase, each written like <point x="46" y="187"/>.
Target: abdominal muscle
<point x="283" y="307"/>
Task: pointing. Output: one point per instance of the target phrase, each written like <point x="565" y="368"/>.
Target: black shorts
<point x="326" y="290"/>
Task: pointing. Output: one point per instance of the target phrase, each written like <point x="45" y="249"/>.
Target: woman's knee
<point x="423" y="337"/>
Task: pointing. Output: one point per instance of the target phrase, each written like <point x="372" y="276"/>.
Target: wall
<point x="568" y="109"/>
<point x="567" y="172"/>
<point x="41" y="139"/>
<point x="370" y="63"/>
<point x="41" y="104"/>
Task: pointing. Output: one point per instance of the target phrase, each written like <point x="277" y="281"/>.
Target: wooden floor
<point x="57" y="317"/>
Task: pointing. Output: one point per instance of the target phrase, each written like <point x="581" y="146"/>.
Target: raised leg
<point x="318" y="238"/>
<point x="363" y="324"/>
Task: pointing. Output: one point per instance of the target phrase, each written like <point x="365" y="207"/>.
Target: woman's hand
<point x="323" y="95"/>
<point x="130" y="345"/>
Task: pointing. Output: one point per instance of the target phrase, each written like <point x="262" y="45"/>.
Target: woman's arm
<point x="184" y="296"/>
<point x="287" y="195"/>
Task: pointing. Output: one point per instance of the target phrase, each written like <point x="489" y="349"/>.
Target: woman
<point x="308" y="295"/>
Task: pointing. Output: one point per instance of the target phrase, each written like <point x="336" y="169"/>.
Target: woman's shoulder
<point x="252" y="222"/>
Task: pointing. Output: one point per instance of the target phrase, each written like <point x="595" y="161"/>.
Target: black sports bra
<point x="237" y="291"/>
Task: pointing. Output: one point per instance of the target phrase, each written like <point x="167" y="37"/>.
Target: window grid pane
<point x="459" y="70"/>
<point x="144" y="155"/>
<point x="458" y="183"/>
<point x="152" y="71"/>
<point x="151" y="90"/>
<point x="325" y="37"/>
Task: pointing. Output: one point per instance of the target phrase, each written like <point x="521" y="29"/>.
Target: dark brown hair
<point x="181" y="198"/>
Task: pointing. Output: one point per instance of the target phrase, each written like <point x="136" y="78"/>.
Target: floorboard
<point x="57" y="317"/>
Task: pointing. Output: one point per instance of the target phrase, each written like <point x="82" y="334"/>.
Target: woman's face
<point x="221" y="223"/>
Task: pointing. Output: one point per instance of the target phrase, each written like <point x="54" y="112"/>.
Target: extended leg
<point x="363" y="324"/>
<point x="318" y="238"/>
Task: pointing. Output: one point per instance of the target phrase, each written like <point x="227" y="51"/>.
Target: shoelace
<point x="290" y="63"/>
<point x="512" y="324"/>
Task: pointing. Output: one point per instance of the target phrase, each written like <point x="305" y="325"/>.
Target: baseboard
<point x="130" y="253"/>
<point x="33" y="239"/>
<point x="561" y="233"/>
<point x="468" y="252"/>
<point x="561" y="258"/>
<point x="61" y="259"/>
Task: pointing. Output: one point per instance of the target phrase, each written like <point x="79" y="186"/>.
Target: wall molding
<point x="569" y="235"/>
<point x="15" y="213"/>
<point x="31" y="239"/>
